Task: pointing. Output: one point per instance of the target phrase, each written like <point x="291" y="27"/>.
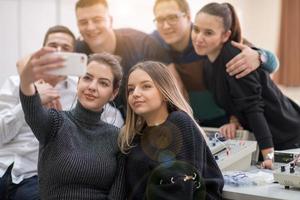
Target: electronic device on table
<point x="287" y="171"/>
<point x="231" y="154"/>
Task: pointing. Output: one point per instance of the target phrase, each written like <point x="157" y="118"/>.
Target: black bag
<point x="175" y="180"/>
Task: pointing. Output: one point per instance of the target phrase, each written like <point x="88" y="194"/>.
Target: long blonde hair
<point x="166" y="84"/>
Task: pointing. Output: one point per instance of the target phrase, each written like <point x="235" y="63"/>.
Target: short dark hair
<point x="87" y="3"/>
<point x="182" y="4"/>
<point x="58" y="29"/>
<point x="113" y="62"/>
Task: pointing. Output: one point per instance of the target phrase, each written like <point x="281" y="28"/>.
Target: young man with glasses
<point x="95" y="26"/>
<point x="173" y="23"/>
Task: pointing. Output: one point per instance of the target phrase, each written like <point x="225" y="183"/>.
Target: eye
<point x="159" y="20"/>
<point x="83" y="22"/>
<point x="86" y="78"/>
<point x="147" y="86"/>
<point x="104" y="83"/>
<point x="208" y="33"/>
<point x="130" y="90"/>
<point x="196" y="29"/>
<point x="172" y="18"/>
<point x="98" y="20"/>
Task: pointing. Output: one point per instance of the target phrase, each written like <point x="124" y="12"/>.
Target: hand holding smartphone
<point x="74" y="64"/>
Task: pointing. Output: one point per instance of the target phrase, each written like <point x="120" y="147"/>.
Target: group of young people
<point x="160" y="152"/>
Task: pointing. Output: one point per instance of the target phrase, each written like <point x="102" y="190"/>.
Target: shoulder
<point x="156" y="36"/>
<point x="82" y="47"/>
<point x="111" y="133"/>
<point x="10" y="86"/>
<point x="229" y="51"/>
<point x="136" y="36"/>
<point x="12" y="81"/>
<point x="110" y="129"/>
<point x="130" y="33"/>
<point x="180" y="118"/>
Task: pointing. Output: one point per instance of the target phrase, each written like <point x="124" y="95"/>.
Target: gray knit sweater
<point x="78" y="157"/>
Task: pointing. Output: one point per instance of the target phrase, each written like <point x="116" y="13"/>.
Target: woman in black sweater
<point x="255" y="100"/>
<point x="167" y="154"/>
<point x="79" y="157"/>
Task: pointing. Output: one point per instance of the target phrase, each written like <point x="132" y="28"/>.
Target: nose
<point x="136" y="92"/>
<point x="199" y="37"/>
<point x="165" y="24"/>
<point x="93" y="85"/>
<point x="58" y="48"/>
<point x="90" y="25"/>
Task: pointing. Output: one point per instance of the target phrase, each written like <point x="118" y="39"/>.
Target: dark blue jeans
<point x="25" y="190"/>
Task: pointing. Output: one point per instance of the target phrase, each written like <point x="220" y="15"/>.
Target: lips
<point x="137" y="103"/>
<point x="89" y="96"/>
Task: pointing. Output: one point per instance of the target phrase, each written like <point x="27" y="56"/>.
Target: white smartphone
<point x="74" y="64"/>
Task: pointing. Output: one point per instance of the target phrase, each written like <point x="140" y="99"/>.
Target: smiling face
<point x="145" y="99"/>
<point x="95" y="88"/>
<point x="208" y="35"/>
<point x="95" y="24"/>
<point x="172" y="24"/>
<point x="60" y="41"/>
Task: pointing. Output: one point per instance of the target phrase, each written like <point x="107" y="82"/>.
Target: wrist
<point x="262" y="57"/>
<point x="269" y="156"/>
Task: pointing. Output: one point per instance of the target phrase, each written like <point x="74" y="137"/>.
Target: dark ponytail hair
<point x="229" y="17"/>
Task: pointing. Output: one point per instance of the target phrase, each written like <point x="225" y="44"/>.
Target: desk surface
<point x="264" y="192"/>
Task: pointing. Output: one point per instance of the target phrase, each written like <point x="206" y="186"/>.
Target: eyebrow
<point x="146" y="81"/>
<point x="106" y="79"/>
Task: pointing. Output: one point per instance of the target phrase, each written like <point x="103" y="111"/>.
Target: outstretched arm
<point x="35" y="115"/>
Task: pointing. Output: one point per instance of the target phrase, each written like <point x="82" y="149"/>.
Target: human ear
<point x="226" y="36"/>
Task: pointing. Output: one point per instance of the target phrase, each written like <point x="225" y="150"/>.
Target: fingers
<point x="58" y="105"/>
<point x="237" y="65"/>
<point x="239" y="45"/>
<point x="228" y="131"/>
<point x="43" y="51"/>
<point x="267" y="164"/>
<point x="44" y="60"/>
<point x="243" y="73"/>
<point x="243" y="63"/>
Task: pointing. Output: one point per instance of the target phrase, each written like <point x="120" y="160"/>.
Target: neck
<point x="157" y="118"/>
<point x="213" y="56"/>
<point x="181" y="45"/>
<point x="108" y="46"/>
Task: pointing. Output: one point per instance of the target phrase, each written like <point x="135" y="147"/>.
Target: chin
<point x="201" y="52"/>
<point x="139" y="112"/>
<point x="170" y="40"/>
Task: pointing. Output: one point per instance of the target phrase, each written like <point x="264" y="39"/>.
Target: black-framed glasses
<point x="170" y="19"/>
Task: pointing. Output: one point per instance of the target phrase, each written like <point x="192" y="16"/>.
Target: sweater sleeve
<point x="272" y="63"/>
<point x="197" y="152"/>
<point x="191" y="155"/>
<point x="43" y="122"/>
<point x="246" y="94"/>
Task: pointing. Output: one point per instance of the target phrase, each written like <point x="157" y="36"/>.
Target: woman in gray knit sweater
<point x="79" y="157"/>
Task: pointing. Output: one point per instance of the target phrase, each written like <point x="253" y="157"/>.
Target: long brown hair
<point x="166" y="84"/>
<point x="229" y="17"/>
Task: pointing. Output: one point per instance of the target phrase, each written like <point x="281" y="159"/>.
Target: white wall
<point x="23" y="23"/>
<point x="260" y="20"/>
